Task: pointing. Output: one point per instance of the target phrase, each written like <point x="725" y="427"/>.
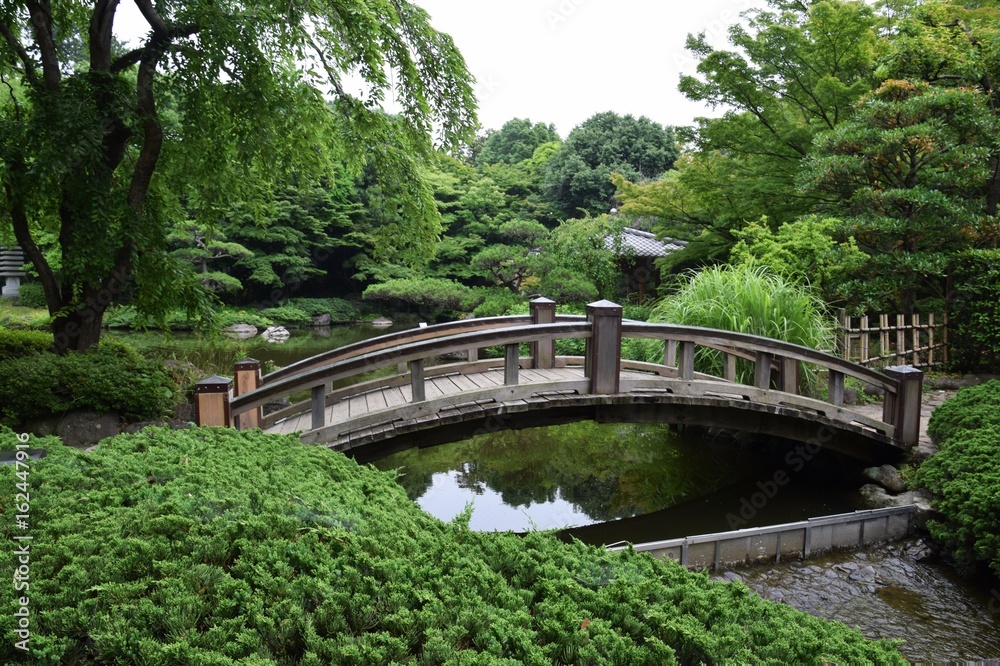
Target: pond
<point x="667" y="482"/>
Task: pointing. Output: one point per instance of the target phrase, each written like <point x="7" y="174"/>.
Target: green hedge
<point x="289" y="315"/>
<point x="111" y="376"/>
<point x="971" y="408"/>
<point x="31" y="295"/>
<point x="964" y="475"/>
<point x="18" y="343"/>
<point x="209" y="546"/>
<point x="340" y="311"/>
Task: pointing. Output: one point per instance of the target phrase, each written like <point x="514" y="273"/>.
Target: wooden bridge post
<point x="317" y="406"/>
<point x="604" y="347"/>
<point x="903" y="409"/>
<point x="211" y="402"/>
<point x="543" y="311"/>
<point x="246" y="378"/>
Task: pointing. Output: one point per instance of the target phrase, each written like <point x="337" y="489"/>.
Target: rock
<point x="381" y="322"/>
<point x="875" y="497"/>
<point x="886" y="476"/>
<point x="272" y="407"/>
<point x="873" y="390"/>
<point x="850" y="396"/>
<point x="322" y="320"/>
<point x="184" y="411"/>
<point x="79" y="428"/>
<point x="240" y="331"/>
<point x="276" y="334"/>
<point x="732" y="577"/>
<point x="919" y="551"/>
<point x="863" y="575"/>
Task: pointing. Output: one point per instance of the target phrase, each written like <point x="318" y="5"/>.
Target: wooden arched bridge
<point x="419" y="404"/>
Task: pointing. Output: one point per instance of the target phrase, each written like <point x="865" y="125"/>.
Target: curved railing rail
<point x="776" y="363"/>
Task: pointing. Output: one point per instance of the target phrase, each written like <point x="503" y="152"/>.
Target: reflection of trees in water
<point x="607" y="471"/>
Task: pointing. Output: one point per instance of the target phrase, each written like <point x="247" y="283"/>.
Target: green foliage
<point x="566" y="286"/>
<point x="214" y="546"/>
<point x="922" y="204"/>
<point x="431" y="295"/>
<point x="105" y="148"/>
<point x="15" y="344"/>
<point x="128" y="316"/>
<point x="803" y="251"/>
<point x="581" y="247"/>
<point x="498" y="303"/>
<point x="288" y="314"/>
<point x="578" y="177"/>
<point x="31" y="295"/>
<point x="744" y="299"/>
<point x="340" y="311"/>
<point x="964" y="477"/>
<point x="972" y="408"/>
<point x="111" y="376"/>
<point x="974" y="323"/>
<point x="515" y="142"/>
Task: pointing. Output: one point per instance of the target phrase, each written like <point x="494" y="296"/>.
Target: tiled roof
<point x="645" y="244"/>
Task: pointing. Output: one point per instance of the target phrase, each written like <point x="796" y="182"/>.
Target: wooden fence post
<point x="211" y="402"/>
<point x="604" y="347"/>
<point x="903" y="409"/>
<point x="246" y="378"/>
<point x="543" y="311"/>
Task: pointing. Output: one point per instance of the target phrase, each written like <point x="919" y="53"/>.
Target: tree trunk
<point x="78" y="330"/>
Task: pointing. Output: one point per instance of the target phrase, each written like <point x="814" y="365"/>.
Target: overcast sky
<point x="562" y="61"/>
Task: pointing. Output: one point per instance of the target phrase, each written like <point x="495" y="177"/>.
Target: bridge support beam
<point x="543" y="311"/>
<point x="903" y="409"/>
<point x="211" y="402"/>
<point x="604" y="347"/>
<point x="246" y="375"/>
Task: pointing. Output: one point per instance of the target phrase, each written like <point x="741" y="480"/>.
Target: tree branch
<point x="22" y="53"/>
<point x="101" y="33"/>
<point x="22" y="232"/>
<point x="152" y="17"/>
<point x="124" y="62"/>
<point x="41" y="21"/>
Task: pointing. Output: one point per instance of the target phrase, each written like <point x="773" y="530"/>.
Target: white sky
<point x="562" y="61"/>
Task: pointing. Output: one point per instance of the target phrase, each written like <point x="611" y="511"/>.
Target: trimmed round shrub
<point x="31" y="295"/>
<point x="964" y="477"/>
<point x="971" y="408"/>
<point x="288" y="314"/>
<point x="18" y="343"/>
<point x="211" y="546"/>
<point x="109" y="377"/>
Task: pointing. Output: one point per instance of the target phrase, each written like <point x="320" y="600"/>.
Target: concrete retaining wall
<point x="776" y="542"/>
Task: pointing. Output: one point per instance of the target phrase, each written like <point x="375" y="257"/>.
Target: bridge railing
<point x="776" y="364"/>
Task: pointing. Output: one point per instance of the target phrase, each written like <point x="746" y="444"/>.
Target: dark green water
<point x="587" y="473"/>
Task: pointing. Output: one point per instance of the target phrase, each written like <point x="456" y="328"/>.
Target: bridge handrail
<point x="396" y="338"/>
<point x="402" y="353"/>
<point x="720" y="340"/>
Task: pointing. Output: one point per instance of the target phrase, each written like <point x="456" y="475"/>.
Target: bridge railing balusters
<point x="789" y="375"/>
<point x="729" y="371"/>
<point x="762" y="370"/>
<point x="686" y="360"/>
<point x="417" y="391"/>
<point x="670" y="353"/>
<point x="318" y="406"/>
<point x="836" y="389"/>
<point x="511" y="363"/>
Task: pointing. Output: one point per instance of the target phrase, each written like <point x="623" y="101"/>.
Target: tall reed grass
<point x="744" y="299"/>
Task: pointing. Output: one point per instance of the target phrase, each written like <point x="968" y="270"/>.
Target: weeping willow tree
<point x="101" y="144"/>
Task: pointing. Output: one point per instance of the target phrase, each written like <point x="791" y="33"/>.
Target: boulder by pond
<point x="381" y="322"/>
<point x="240" y="331"/>
<point x="276" y="334"/>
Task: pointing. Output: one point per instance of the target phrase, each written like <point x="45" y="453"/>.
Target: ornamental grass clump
<point x="744" y="299"/>
<point x="212" y="546"/>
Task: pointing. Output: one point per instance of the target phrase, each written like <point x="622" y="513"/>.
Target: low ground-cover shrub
<point x="971" y="408"/>
<point x="288" y="315"/>
<point x="429" y="296"/>
<point x="210" y="546"/>
<point x="964" y="477"/>
<point x="18" y="343"/>
<point x="111" y="376"/>
<point x="340" y="311"/>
